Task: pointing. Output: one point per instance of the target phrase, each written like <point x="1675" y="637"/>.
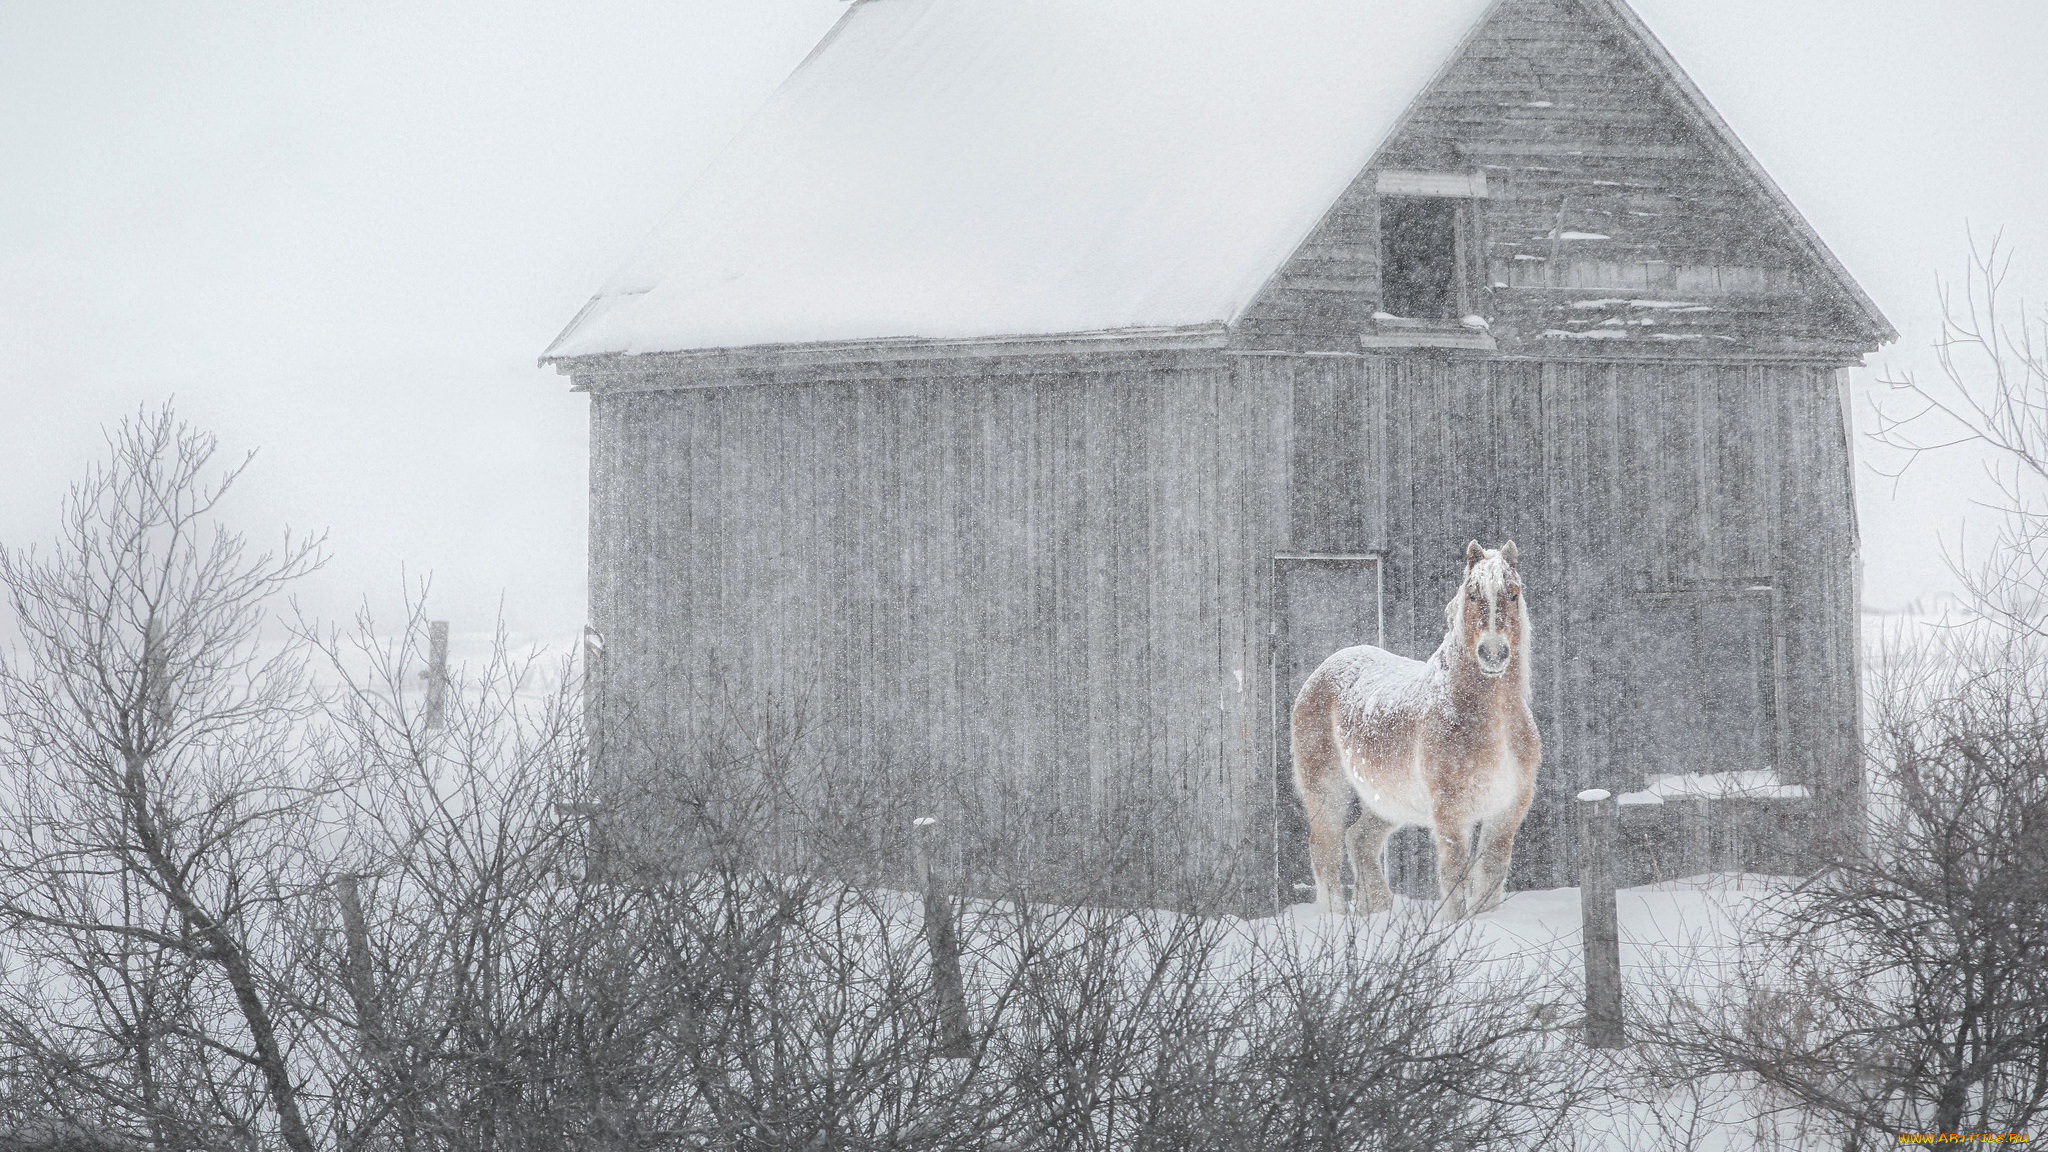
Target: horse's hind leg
<point x="1367" y="839"/>
<point x="1325" y="796"/>
<point x="1326" y="807"/>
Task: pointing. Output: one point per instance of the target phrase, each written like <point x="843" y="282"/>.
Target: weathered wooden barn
<point x="1038" y="389"/>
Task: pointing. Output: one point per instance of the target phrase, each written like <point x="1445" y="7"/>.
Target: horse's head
<point x="1488" y="616"/>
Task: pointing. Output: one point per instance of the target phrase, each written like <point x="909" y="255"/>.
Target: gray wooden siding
<point x="1630" y="488"/>
<point x="1037" y="584"/>
<point x="1028" y="597"/>
<point x="1576" y="135"/>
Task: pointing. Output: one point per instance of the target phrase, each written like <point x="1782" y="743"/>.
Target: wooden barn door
<point x="1321" y="604"/>
<point x="1706" y="698"/>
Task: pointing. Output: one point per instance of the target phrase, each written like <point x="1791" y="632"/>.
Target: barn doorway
<point x="1321" y="603"/>
<point x="1709" y="690"/>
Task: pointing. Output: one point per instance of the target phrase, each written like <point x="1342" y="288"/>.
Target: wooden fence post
<point x="596" y="840"/>
<point x="1733" y="813"/>
<point x="1600" y="923"/>
<point x="1692" y="826"/>
<point x="437" y="672"/>
<point x="156" y="677"/>
<point x="593" y="696"/>
<point x="947" y="986"/>
<point x="358" y="970"/>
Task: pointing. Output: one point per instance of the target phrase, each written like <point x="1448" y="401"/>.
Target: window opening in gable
<point x="1419" y="258"/>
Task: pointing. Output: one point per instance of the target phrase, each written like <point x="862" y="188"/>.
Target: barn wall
<point x="1633" y="490"/>
<point x="1034" y="584"/>
<point x="1043" y="586"/>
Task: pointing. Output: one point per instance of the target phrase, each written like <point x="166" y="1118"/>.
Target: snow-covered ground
<point x="1673" y="934"/>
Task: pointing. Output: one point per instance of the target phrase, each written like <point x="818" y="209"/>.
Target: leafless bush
<point x="1906" y="988"/>
<point x="435" y="960"/>
<point x="801" y="1010"/>
<point x="237" y="912"/>
<point x="1131" y="1029"/>
<point x="158" y="791"/>
<point x="1409" y="1039"/>
<point x="1991" y="395"/>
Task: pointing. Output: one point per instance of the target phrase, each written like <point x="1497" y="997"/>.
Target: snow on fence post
<point x="1600" y="923"/>
<point x="437" y="672"/>
<point x="947" y="987"/>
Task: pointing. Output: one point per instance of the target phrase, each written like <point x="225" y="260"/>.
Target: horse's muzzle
<point x="1493" y="656"/>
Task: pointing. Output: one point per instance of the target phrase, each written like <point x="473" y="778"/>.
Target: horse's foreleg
<point x="1367" y="840"/>
<point x="1496" y="849"/>
<point x="1453" y="865"/>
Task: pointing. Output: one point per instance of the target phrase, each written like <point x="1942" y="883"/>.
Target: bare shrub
<point x="529" y="978"/>
<point x="1409" y="1037"/>
<point x="1904" y="989"/>
<point x="1991" y="395"/>
<point x="723" y="997"/>
<point x="158" y="795"/>
<point x="237" y="912"/>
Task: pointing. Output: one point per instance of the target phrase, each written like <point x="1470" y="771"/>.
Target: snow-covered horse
<point x="1447" y="743"/>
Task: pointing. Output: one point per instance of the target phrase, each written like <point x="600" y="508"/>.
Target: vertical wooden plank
<point x="1268" y="465"/>
<point x="1119" y="460"/>
<point x="1230" y="808"/>
<point x="1150" y="409"/>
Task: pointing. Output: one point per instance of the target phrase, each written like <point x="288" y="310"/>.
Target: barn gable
<point x="1599" y="207"/>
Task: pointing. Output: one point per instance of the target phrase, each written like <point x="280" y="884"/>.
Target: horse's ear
<point x="1473" y="554"/>
<point x="1508" y="553"/>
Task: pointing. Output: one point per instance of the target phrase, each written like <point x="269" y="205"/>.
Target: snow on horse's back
<point x="1446" y="743"/>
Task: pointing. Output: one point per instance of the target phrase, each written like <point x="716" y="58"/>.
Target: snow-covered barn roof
<point x="965" y="169"/>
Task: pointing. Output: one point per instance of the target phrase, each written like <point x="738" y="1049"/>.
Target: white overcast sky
<point x="341" y="233"/>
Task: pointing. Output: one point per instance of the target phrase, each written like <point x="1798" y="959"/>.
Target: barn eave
<point x="1848" y="352"/>
<point x="994" y="355"/>
<point x="1191" y="346"/>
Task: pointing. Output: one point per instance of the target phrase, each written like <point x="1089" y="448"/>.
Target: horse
<point x="1447" y="743"/>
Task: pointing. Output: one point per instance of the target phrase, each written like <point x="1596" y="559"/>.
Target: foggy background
<point x="341" y="233"/>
